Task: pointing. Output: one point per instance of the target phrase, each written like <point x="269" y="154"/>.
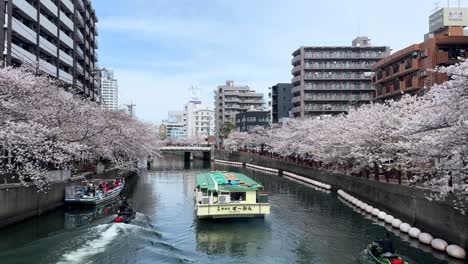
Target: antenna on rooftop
<point x="436" y="6"/>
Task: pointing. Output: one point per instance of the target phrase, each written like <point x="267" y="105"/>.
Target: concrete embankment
<point x="406" y="203"/>
<point x="18" y="202"/>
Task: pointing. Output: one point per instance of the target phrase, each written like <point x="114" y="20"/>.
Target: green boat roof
<point x="239" y="182"/>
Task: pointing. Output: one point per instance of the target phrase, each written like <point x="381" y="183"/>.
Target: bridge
<point x="188" y="150"/>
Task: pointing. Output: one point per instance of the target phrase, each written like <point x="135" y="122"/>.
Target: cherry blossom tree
<point x="43" y="127"/>
<point x="422" y="135"/>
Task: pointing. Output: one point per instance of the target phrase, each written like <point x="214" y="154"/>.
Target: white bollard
<point x="382" y="215"/>
<point x="439" y="244"/>
<point x="364" y="206"/>
<point x="369" y="209"/>
<point x="456" y="252"/>
<point x="396" y="223"/>
<point x="425" y="238"/>
<point x="414" y="232"/>
<point x="389" y="219"/>
<point x="358" y="204"/>
<point x="375" y="212"/>
<point x="405" y="227"/>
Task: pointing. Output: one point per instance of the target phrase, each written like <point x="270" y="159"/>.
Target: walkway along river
<point x="306" y="225"/>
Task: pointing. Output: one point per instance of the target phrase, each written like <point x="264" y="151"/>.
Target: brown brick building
<point x="408" y="70"/>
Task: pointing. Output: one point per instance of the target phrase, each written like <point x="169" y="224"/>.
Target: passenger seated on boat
<point x="387" y="246"/>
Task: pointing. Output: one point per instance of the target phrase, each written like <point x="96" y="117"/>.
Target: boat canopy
<point x="226" y="181"/>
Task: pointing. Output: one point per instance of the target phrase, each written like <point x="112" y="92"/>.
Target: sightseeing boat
<point x="94" y="191"/>
<point x="222" y="194"/>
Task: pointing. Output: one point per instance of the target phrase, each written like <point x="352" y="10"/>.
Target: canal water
<point x="306" y="225"/>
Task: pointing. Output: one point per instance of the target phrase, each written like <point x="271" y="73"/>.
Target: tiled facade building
<point x="408" y="71"/>
<point x="330" y="80"/>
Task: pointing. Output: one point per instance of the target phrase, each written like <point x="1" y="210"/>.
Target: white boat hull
<point x="111" y="195"/>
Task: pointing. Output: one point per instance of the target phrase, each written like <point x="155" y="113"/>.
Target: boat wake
<point x="106" y="233"/>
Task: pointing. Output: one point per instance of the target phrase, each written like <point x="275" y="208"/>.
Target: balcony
<point x="69" y="5"/>
<point x="67" y="22"/>
<point x="338" y="97"/>
<point x="48" y="46"/>
<point x="80" y="20"/>
<point x="26" y="8"/>
<point x="79" y="37"/>
<point x="47" y="68"/>
<point x="338" y="66"/>
<point x="296" y="99"/>
<point x="337" y="76"/>
<point x="296" y="69"/>
<point x="79" y="85"/>
<point x="296" y="89"/>
<point x="96" y="43"/>
<point x="296" y="79"/>
<point x="24" y="31"/>
<point x="50" y="6"/>
<point x="66" y="58"/>
<point x="296" y="59"/>
<point x="443" y="58"/>
<point x="22" y="54"/>
<point x="66" y="39"/>
<point x="296" y="110"/>
<point x="79" y="69"/>
<point x="48" y="25"/>
<point x="80" y="5"/>
<point x="65" y="76"/>
<point x="80" y="53"/>
<point x="96" y="57"/>
<point x="343" y="55"/>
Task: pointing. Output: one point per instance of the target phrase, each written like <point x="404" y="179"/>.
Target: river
<point x="306" y="225"/>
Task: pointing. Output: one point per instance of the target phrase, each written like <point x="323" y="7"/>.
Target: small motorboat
<point x="375" y="252"/>
<point x="125" y="217"/>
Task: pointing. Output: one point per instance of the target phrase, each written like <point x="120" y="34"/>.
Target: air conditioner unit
<point x="224" y="199"/>
<point x="205" y="200"/>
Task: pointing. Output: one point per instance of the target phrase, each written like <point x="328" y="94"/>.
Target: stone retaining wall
<point x="18" y="202"/>
<point x="407" y="203"/>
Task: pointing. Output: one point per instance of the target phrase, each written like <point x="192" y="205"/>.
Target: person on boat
<point x="387" y="245"/>
<point x="124" y="207"/>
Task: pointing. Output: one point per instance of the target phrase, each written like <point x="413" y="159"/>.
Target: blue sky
<point x="159" y="48"/>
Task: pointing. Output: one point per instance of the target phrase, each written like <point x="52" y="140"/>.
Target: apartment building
<point x="250" y="119"/>
<point x="199" y="119"/>
<point x="109" y="90"/>
<point x="281" y="96"/>
<point x="331" y="79"/>
<point x="60" y="36"/>
<point x="408" y="71"/>
<point x="231" y="99"/>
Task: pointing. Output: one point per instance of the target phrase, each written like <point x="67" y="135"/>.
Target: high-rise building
<point x="231" y="99"/>
<point x="331" y="79"/>
<point x="199" y="119"/>
<point x="280" y="101"/>
<point x="408" y="71"/>
<point x="109" y="90"/>
<point x="58" y="36"/>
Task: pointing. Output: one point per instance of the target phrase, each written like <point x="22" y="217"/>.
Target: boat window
<point x="204" y="192"/>
<point x="237" y="196"/>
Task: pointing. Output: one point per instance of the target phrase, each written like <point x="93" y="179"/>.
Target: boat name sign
<point x="234" y="209"/>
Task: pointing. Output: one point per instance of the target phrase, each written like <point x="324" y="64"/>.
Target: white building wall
<point x="109" y="91"/>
